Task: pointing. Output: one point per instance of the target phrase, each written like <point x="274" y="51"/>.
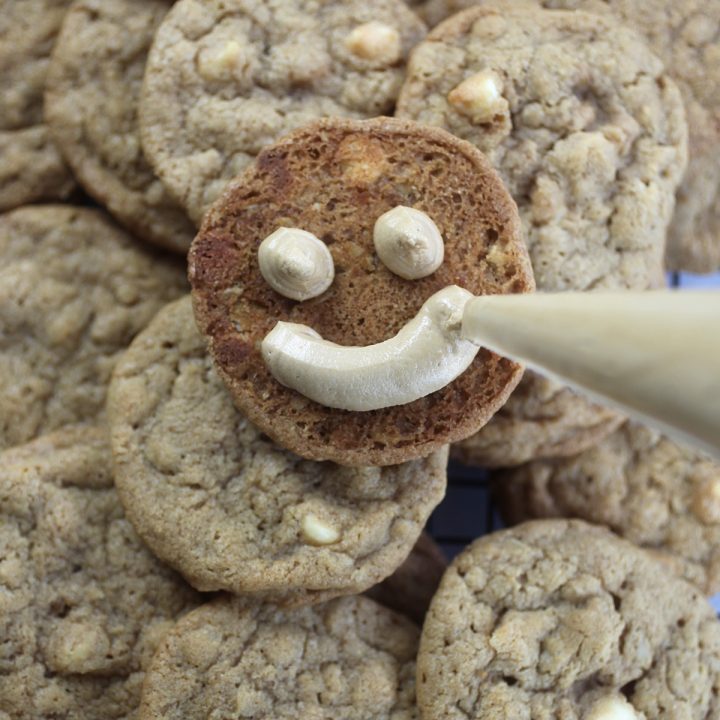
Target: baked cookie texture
<point x="686" y="37"/>
<point x="349" y="659"/>
<point x="93" y="88"/>
<point x="564" y="619"/>
<point x="31" y="169"/>
<point x="334" y="178"/>
<point x="226" y="78"/>
<point x="84" y="603"/>
<point x="74" y="291"/>
<point x="645" y="487"/>
<point x="588" y="132"/>
<point x="220" y="502"/>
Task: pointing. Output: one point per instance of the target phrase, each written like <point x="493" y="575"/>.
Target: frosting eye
<point x="296" y="263"/>
<point x="408" y="243"/>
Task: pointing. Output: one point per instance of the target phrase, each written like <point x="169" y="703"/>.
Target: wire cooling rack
<point x="467" y="512"/>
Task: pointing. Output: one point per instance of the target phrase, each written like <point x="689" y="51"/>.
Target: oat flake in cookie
<point x="83" y="603"/>
<point x="348" y="659"/>
<point x="231" y="510"/>
<point x="93" y="89"/>
<point x="74" y="291"/>
<point x="644" y="486"/>
<point x="335" y="178"/>
<point x="560" y="619"/>
<point x="588" y="132"/>
<point x="31" y="168"/>
<point x="224" y="79"/>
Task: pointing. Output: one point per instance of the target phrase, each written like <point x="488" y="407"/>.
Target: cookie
<point x="224" y="79"/>
<point x="685" y="36"/>
<point x="588" y="132"/>
<point x="645" y="487"/>
<point x="31" y="169"/>
<point x="255" y="518"/>
<point x="334" y="179"/>
<point x="74" y="291"/>
<point x="84" y="603"/>
<point x="411" y="587"/>
<point x="349" y="659"/>
<point x="93" y="88"/>
<point x="560" y="619"/>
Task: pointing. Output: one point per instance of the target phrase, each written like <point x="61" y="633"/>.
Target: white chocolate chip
<point x="408" y="242"/>
<point x="78" y="647"/>
<point x="318" y="532"/>
<point x="479" y="97"/>
<point x="614" y="707"/>
<point x="296" y="264"/>
<point x="376" y="42"/>
<point x="706" y="501"/>
<point x="220" y="63"/>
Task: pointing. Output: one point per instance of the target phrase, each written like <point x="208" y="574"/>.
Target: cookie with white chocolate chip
<point x="335" y="179"/>
<point x="560" y="619"/>
<point x="224" y="79"/>
<point x="348" y="659"/>
<point x="588" y="131"/>
<point x="84" y="603"/>
<point x="224" y="505"/>
<point x="644" y="486"/>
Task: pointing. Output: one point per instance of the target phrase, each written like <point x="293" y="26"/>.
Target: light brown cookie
<point x="335" y="178"/>
<point x="225" y="78"/>
<point x="31" y="168"/>
<point x="74" y="291"/>
<point x="560" y="619"/>
<point x="228" y="508"/>
<point x="686" y="37"/>
<point x="645" y="487"/>
<point x="349" y="659"/>
<point x="83" y="602"/>
<point x="411" y="587"/>
<point x="93" y="88"/>
<point x="588" y="132"/>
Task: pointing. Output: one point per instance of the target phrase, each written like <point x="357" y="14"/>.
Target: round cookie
<point x="645" y="487"/>
<point x="411" y="587"/>
<point x="93" y="88"/>
<point x="31" y="168"/>
<point x="349" y="659"/>
<point x="74" y="291"/>
<point x="225" y="78"/>
<point x="84" y="603"/>
<point x="334" y="179"/>
<point x="588" y="132"/>
<point x="560" y="619"/>
<point x="220" y="502"/>
<point x="686" y="37"/>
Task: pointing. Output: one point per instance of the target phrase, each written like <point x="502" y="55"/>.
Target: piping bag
<point x="653" y="355"/>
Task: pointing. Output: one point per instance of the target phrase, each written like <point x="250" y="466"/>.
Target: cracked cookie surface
<point x="348" y="659"/>
<point x="232" y="510"/>
<point x="644" y="486"/>
<point x="83" y="603"/>
<point x="74" y="291"/>
<point x="588" y="132"/>
<point x="93" y="89"/>
<point x="31" y="169"/>
<point x="224" y="79"/>
<point x="560" y="619"/>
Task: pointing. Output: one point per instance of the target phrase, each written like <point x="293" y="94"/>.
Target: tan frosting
<point x="408" y="242"/>
<point x="296" y="264"/>
<point x="426" y="355"/>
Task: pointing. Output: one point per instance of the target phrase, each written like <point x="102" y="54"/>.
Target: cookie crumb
<point x="218" y="64"/>
<point x="318" y="532"/>
<point x="479" y="97"/>
<point x="375" y="41"/>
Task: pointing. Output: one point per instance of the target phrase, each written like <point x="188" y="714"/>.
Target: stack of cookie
<point x="181" y="535"/>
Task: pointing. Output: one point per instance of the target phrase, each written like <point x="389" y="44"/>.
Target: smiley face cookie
<point x="93" y="89"/>
<point x="560" y="619"/>
<point x="224" y="79"/>
<point x="335" y="179"/>
<point x="349" y="659"/>
<point x="650" y="490"/>
<point x="84" y="603"/>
